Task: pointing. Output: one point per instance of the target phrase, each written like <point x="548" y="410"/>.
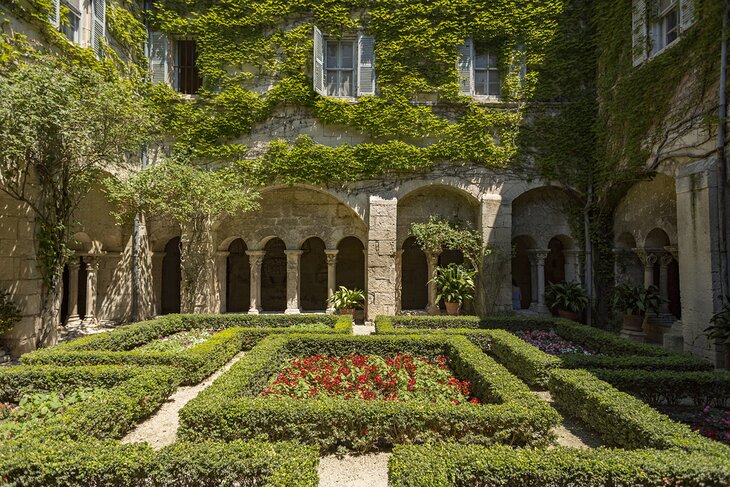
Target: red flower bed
<point x="369" y="377"/>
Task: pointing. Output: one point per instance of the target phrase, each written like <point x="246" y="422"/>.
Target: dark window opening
<point x="187" y="76"/>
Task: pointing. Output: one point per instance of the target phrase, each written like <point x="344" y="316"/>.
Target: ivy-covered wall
<point x="418" y="117"/>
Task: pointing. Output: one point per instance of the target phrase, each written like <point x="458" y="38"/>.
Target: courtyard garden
<point x="287" y="400"/>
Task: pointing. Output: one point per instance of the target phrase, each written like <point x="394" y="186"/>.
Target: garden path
<point x="160" y="430"/>
<point x="367" y="329"/>
<point x="570" y="433"/>
<point x="354" y="471"/>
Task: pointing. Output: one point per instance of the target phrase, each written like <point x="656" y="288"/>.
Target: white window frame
<point x="78" y="33"/>
<point x="354" y="69"/>
<point x="489" y="70"/>
<point x="466" y="66"/>
<point x="363" y="69"/>
<point x="659" y="27"/>
<point x="649" y="27"/>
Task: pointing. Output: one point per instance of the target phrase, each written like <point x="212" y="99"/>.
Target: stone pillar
<point x="331" y="278"/>
<point x="382" y="275"/>
<point x="533" y="279"/>
<point x="648" y="259"/>
<point x="432" y="307"/>
<point x="292" y="281"/>
<point x="539" y="257"/>
<point x="664" y="262"/>
<point x="73" y="292"/>
<point x="495" y="225"/>
<point x="221" y="270"/>
<point x="255" y="259"/>
<point x="157" y="258"/>
<point x="572" y="266"/>
<point x="92" y="268"/>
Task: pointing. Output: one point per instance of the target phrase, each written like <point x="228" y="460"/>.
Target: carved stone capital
<point x="647" y="256"/>
<point x="255" y="257"/>
<point x="92" y="263"/>
<point x="666" y="259"/>
<point x="331" y="256"/>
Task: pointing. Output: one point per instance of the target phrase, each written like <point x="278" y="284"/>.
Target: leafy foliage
<point x="635" y="300"/>
<point x="719" y="328"/>
<point x="569" y="296"/>
<point x="455" y="283"/>
<point x="345" y="298"/>
<point x="9" y="312"/>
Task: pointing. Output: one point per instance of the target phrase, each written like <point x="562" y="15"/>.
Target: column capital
<point x="92" y="262"/>
<point x="255" y="257"/>
<point x="293" y="253"/>
<point x="665" y="259"/>
<point x="222" y="253"/>
<point x="74" y="264"/>
<point x="331" y="256"/>
<point x="539" y="255"/>
<point x="648" y="257"/>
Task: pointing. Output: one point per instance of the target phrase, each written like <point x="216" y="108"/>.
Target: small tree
<point x="63" y="123"/>
<point x="192" y="197"/>
<point x="437" y="234"/>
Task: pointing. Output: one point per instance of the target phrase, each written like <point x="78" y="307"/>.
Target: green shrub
<point x="448" y="464"/>
<point x="230" y="408"/>
<point x="622" y="420"/>
<point x="521" y="358"/>
<point x="636" y="362"/>
<point x="117" y="347"/>
<point x="40" y="463"/>
<point x="670" y="387"/>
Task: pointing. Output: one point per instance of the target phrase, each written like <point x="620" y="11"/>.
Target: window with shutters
<point x="98" y="27"/>
<point x="72" y="27"/>
<point x="658" y="24"/>
<point x="187" y="77"/>
<point x="344" y="67"/>
<point x="486" y="73"/>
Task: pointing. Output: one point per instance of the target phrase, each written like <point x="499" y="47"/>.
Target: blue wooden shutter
<point x="318" y="72"/>
<point x="158" y="57"/>
<point x="686" y="14"/>
<point x="638" y="31"/>
<point x="465" y="67"/>
<point x="366" y="65"/>
<point x="98" y="27"/>
<point x="54" y="16"/>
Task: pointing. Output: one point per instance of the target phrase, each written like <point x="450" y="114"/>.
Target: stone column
<point x="381" y="275"/>
<point x="255" y="259"/>
<point x="73" y="292"/>
<point x="157" y="258"/>
<point x="533" y="279"/>
<point x="572" y="265"/>
<point x="92" y="268"/>
<point x="331" y="277"/>
<point x="648" y="259"/>
<point x="664" y="262"/>
<point x="292" y="281"/>
<point x="540" y="256"/>
<point x="221" y="270"/>
<point x="432" y="307"/>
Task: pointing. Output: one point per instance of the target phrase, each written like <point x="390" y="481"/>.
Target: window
<point x="344" y="67"/>
<point x="340" y="68"/>
<point x="656" y="24"/>
<point x="72" y="27"/>
<point x="486" y="74"/>
<point x="187" y="77"/>
<point x="665" y="28"/>
<point x="478" y="69"/>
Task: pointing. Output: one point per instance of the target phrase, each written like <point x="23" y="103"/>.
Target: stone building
<point x="305" y="240"/>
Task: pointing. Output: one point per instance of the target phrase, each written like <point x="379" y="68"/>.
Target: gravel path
<point x="161" y="429"/>
<point x="354" y="471"/>
<point x="367" y="329"/>
<point x="571" y="433"/>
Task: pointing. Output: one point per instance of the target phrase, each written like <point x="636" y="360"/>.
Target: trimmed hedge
<point x="126" y="396"/>
<point x="445" y="465"/>
<point x="207" y="464"/>
<point x="669" y="387"/>
<point x="620" y="419"/>
<point x="116" y="347"/>
<point x="670" y="362"/>
<point x="230" y="408"/>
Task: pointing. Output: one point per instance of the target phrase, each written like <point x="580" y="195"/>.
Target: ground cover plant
<point x="178" y="342"/>
<point x="370" y="377"/>
<point x="552" y="343"/>
<point x="709" y="421"/>
<point x="234" y="408"/>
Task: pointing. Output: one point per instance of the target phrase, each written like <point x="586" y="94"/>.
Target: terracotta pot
<point x="633" y="323"/>
<point x="346" y="311"/>
<point x="568" y="315"/>
<point x="452" y="309"/>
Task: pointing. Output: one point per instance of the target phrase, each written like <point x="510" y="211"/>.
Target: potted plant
<point x="634" y="302"/>
<point x="455" y="284"/>
<point x="719" y="329"/>
<point x="569" y="298"/>
<point x="345" y="301"/>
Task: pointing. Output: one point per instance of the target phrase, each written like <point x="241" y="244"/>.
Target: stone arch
<point x="313" y="275"/>
<point x="452" y="204"/>
<point x="638" y="215"/>
<point x="171" y="277"/>
<point x="238" y="277"/>
<point x="657" y="238"/>
<point x="414" y="276"/>
<point x="522" y="272"/>
<point x="294" y="214"/>
<point x="273" y="276"/>
<point x="540" y="213"/>
<point x="350" y="267"/>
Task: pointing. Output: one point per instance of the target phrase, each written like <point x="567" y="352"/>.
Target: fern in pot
<point x="635" y="302"/>
<point x="569" y="298"/>
<point x="455" y="284"/>
<point x="345" y="301"/>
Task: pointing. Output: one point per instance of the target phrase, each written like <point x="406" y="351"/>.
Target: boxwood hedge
<point x="230" y="408"/>
<point x="445" y="465"/>
<point x="31" y="463"/>
<point x="118" y="346"/>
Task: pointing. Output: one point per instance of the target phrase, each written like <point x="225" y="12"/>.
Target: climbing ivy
<point x="418" y="117"/>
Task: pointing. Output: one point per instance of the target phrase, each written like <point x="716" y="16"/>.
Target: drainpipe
<point x="588" y="256"/>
